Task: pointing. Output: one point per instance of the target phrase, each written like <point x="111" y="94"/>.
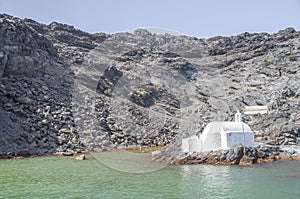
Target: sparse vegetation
<point x="293" y="57"/>
<point x="266" y="63"/>
<point x="203" y="99"/>
<point x="108" y="92"/>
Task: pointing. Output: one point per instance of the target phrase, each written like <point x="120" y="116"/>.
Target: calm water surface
<point x="64" y="177"/>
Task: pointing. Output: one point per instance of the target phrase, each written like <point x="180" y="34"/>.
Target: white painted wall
<point x="235" y="138"/>
<point x="211" y="142"/>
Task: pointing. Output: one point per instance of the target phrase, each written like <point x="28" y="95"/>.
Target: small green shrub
<point x="108" y="92"/>
<point x="293" y="57"/>
<point x="266" y="63"/>
<point x="203" y="99"/>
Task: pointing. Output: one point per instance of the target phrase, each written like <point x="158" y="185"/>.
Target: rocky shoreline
<point x="243" y="156"/>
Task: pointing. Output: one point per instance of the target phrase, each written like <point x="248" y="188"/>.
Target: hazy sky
<point x="200" y="18"/>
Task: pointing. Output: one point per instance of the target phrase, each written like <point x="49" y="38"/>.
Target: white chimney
<point x="238" y="116"/>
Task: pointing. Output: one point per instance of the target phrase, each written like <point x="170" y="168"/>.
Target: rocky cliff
<point x="62" y="88"/>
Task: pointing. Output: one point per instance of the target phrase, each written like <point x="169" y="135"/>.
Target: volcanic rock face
<point x="62" y="88"/>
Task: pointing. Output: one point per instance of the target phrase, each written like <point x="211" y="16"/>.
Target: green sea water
<point x="65" y="177"/>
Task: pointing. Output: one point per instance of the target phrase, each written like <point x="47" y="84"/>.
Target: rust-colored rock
<point x="80" y="157"/>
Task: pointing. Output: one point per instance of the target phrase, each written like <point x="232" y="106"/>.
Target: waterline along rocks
<point x="64" y="89"/>
<point x="239" y="155"/>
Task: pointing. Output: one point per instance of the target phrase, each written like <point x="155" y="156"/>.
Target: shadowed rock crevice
<point x="108" y="81"/>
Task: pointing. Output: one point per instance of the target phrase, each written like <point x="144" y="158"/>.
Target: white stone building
<point x="220" y="135"/>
